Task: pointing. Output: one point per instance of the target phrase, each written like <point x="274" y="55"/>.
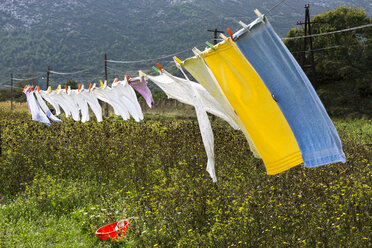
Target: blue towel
<point x="314" y="131"/>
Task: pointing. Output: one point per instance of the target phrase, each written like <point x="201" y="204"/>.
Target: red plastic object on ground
<point x="114" y="230"/>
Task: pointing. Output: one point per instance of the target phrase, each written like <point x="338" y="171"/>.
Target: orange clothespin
<point x="31" y="88"/>
<point x="90" y="87"/>
<point x="24" y="89"/>
<point x="66" y="88"/>
<point x="127" y="78"/>
<point x="79" y="87"/>
<point x="160" y="67"/>
<point x="116" y="80"/>
<point x="231" y="34"/>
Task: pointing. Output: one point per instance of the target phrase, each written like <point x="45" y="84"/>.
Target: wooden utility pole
<point x="216" y="32"/>
<point x="308" y="33"/>
<point x="47" y="81"/>
<point x="106" y="105"/>
<point x="11" y="91"/>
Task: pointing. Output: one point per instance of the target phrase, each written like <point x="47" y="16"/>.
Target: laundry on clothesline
<point x="249" y="79"/>
<point x="77" y="102"/>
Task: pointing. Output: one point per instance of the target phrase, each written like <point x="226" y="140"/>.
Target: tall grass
<point x="61" y="183"/>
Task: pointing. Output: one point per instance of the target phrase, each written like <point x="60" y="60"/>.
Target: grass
<point x="59" y="184"/>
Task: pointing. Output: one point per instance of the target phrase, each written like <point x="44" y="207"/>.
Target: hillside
<point x="71" y="35"/>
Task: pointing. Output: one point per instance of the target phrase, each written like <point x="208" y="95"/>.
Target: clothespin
<point x="58" y="88"/>
<point x="159" y="66"/>
<point x="49" y="90"/>
<point x="230" y="33"/>
<point x="116" y="80"/>
<point x="25" y="88"/>
<point x="196" y="51"/>
<point x="156" y="69"/>
<point x="210" y="45"/>
<point x="223" y="37"/>
<point x="66" y="88"/>
<point x="142" y="74"/>
<point x="259" y="15"/>
<point x="90" y="87"/>
<point x="79" y="87"/>
<point x="177" y="60"/>
<point x="38" y="88"/>
<point x="245" y="26"/>
<point x="127" y="78"/>
<point x="102" y="85"/>
<point x="30" y="89"/>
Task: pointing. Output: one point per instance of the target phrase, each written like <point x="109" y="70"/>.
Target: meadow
<point x="59" y="184"/>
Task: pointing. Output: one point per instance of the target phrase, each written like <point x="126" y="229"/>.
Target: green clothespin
<point x="156" y="69"/>
<point x="210" y="45"/>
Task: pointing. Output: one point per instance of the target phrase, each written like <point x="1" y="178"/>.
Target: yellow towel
<point x="255" y="107"/>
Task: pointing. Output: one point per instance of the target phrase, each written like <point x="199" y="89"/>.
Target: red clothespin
<point x="160" y="67"/>
<point x="79" y="87"/>
<point x="24" y="89"/>
<point x="230" y="33"/>
<point x="66" y="88"/>
<point x="90" y="87"/>
<point x="116" y="80"/>
<point x="127" y="78"/>
<point x="31" y="88"/>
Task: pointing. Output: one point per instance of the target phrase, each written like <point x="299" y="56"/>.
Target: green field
<point x="59" y="184"/>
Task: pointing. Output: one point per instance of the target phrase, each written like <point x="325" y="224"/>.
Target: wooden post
<point x="11" y="92"/>
<point x="47" y="82"/>
<point x="106" y="105"/>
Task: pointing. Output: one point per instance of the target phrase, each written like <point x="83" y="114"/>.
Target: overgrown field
<point x="59" y="184"/>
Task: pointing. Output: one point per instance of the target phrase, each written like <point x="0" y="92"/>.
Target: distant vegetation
<point x="343" y="61"/>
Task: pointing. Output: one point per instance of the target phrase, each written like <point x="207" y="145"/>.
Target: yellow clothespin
<point x="142" y="74"/>
<point x="177" y="60"/>
<point x="102" y="85"/>
<point x="245" y="26"/>
<point x="58" y="88"/>
<point x="223" y="37"/>
<point x="49" y="90"/>
<point x="259" y="15"/>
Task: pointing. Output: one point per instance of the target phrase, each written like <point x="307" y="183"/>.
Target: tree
<point x="341" y="57"/>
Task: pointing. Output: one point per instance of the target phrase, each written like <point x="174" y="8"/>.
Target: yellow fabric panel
<point x="200" y="71"/>
<point x="255" y="107"/>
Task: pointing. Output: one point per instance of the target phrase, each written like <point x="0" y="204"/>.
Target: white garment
<point x="68" y="102"/>
<point x="36" y="113"/>
<point x="45" y="108"/>
<point x="92" y="101"/>
<point x="180" y="90"/>
<point x="128" y="97"/>
<point x="194" y="94"/>
<point x="45" y="95"/>
<point x="105" y="94"/>
<point x="81" y="103"/>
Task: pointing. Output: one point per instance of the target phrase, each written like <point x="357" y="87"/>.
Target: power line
<point x="25" y="79"/>
<point x="329" y="33"/>
<point x="69" y="73"/>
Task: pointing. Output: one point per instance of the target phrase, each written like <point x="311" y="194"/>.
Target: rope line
<point x="146" y="60"/>
<point x="275" y="6"/>
<point x="329" y="33"/>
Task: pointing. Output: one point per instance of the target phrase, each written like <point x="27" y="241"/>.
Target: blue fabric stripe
<point x="314" y="131"/>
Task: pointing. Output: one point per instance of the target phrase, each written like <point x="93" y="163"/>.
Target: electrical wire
<point x="329" y="33"/>
<point x="69" y="73"/>
<point x="25" y="79"/>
